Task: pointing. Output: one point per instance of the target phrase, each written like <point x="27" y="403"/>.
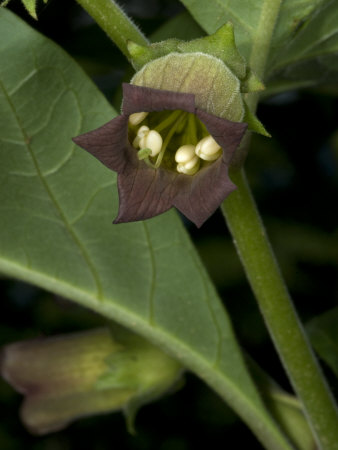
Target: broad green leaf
<point x="247" y="15"/>
<point x="56" y="208"/>
<point x="323" y="332"/>
<point x="311" y="56"/>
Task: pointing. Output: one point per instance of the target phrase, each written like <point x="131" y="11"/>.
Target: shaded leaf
<point x="310" y="57"/>
<point x="247" y="15"/>
<point x="182" y="26"/>
<point x="323" y="332"/>
<point x="56" y="207"/>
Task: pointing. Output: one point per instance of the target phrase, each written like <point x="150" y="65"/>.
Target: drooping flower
<point x="85" y="373"/>
<point x="183" y="117"/>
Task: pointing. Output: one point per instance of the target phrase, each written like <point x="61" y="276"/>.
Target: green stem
<point x="278" y="311"/>
<point x="261" y="43"/>
<point x="266" y="281"/>
<point x="111" y="18"/>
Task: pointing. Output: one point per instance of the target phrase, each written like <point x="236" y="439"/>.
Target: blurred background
<point x="294" y="179"/>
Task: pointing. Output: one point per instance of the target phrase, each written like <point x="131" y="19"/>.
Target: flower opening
<point x="144" y="146"/>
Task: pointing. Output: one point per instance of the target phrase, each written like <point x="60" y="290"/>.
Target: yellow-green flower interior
<point x="176" y="140"/>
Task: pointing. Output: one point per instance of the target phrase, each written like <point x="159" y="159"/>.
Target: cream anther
<point x="185" y="153"/>
<point x="152" y="140"/>
<point x="190" y="167"/>
<point x="208" y="149"/>
<point x="142" y="131"/>
<point x="136" y="118"/>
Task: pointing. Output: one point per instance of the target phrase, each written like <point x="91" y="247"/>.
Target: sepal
<point x="254" y="124"/>
<point x="221" y="45"/>
<point x="251" y="83"/>
<point x="140" y="55"/>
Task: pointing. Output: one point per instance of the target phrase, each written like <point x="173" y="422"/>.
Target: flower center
<point x="176" y="140"/>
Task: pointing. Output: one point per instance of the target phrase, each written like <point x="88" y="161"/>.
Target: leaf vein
<point x="71" y="231"/>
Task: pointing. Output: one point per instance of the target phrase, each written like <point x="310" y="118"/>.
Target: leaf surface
<point x="311" y="56"/>
<point x="56" y="208"/>
<point x="246" y="15"/>
<point x="304" y="45"/>
<point x="182" y="26"/>
<point x="323" y="333"/>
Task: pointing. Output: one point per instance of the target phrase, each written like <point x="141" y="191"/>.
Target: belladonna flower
<point x="183" y="117"/>
<point x="92" y="372"/>
<point x="146" y="190"/>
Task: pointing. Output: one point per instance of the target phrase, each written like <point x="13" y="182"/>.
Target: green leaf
<point x="247" y="15"/>
<point x="56" y="208"/>
<point x="182" y="26"/>
<point x="311" y="56"/>
<point x="323" y="332"/>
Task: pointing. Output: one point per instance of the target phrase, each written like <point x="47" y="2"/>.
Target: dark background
<point x="294" y="179"/>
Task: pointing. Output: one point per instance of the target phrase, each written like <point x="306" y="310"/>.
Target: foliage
<point x="57" y="203"/>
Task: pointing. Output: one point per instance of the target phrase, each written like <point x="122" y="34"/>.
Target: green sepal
<point x="30" y="6"/>
<point x="131" y="409"/>
<point x="141" y="55"/>
<point x="253" y="123"/>
<point x="220" y="44"/>
<point x="139" y="368"/>
<point x="251" y="83"/>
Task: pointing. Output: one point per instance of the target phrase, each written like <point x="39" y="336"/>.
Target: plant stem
<point x="278" y="311"/>
<point x="261" y="43"/>
<point x="111" y="18"/>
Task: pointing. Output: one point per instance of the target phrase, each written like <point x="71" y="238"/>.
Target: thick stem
<point x="111" y="18"/>
<point x="278" y="311"/>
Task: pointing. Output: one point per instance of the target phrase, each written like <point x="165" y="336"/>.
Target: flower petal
<point x="226" y="133"/>
<point x="139" y="98"/>
<point x="108" y="143"/>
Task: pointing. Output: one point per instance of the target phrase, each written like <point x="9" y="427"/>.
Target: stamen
<point x="170" y="134"/>
<point x="142" y="131"/>
<point x="169" y="120"/>
<point x="152" y="140"/>
<point x="180" y="129"/>
<point x="192" y="129"/>
<point x="208" y="149"/>
<point x="185" y="153"/>
<point x="190" y="167"/>
<point x="136" y="118"/>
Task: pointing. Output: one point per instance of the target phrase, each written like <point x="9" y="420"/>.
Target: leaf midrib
<point x="194" y="361"/>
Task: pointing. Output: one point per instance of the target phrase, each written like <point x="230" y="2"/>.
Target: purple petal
<point x="139" y="98"/>
<point x="108" y="143"/>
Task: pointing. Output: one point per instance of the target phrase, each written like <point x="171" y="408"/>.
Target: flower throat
<point x="176" y="140"/>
